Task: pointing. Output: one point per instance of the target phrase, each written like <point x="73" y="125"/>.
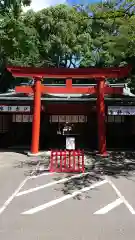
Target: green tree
<point x="64" y="35"/>
<point x="18" y="41"/>
<point x="112" y="34"/>
<point x="14" y="6"/>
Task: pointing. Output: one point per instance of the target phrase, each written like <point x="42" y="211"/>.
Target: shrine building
<point x="52" y="103"/>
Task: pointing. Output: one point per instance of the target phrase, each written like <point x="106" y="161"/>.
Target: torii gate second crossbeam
<point x="37" y="89"/>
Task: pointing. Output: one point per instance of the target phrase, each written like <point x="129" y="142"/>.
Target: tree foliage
<point x="100" y="35"/>
<point x="112" y="34"/>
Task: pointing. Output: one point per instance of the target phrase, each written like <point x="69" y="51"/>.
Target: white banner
<point x="68" y="118"/>
<point x="22" y="118"/>
<point x="121" y="110"/>
<point x="4" y="108"/>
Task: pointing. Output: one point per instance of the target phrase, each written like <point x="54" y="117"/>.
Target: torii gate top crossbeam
<point x="79" y="73"/>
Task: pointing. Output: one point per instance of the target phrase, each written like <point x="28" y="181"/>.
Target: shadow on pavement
<point x="116" y="164"/>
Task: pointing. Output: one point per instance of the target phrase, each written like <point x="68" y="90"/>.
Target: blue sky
<point x="79" y="1"/>
<point x="39" y="4"/>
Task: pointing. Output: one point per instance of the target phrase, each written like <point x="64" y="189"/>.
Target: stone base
<point x="35" y="154"/>
<point x="106" y="154"/>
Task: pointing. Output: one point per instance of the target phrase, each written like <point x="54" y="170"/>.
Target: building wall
<point x="16" y="128"/>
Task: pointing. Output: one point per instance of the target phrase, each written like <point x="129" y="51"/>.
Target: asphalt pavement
<point x="63" y="206"/>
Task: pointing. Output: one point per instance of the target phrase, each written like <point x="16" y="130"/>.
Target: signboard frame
<point x="22" y="118"/>
<point x="15" y="109"/>
<point x="121" y="110"/>
<point x="68" y="118"/>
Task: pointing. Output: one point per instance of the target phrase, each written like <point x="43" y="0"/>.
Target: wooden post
<point x="101" y="117"/>
<point x="36" y="117"/>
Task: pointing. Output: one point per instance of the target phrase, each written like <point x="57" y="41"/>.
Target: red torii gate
<point x="37" y="89"/>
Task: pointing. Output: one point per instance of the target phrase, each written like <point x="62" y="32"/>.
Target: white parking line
<point x="9" y="200"/>
<point x="64" y="198"/>
<point x="51" y="184"/>
<point x="109" y="207"/>
<point x="130" y="208"/>
<point x="41" y="175"/>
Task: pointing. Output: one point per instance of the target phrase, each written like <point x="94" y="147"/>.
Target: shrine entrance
<point x="62" y="126"/>
<point x="102" y="88"/>
<point x="59" y="132"/>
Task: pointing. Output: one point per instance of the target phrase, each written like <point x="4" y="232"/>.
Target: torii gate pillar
<point x="36" y="116"/>
<point x="101" y="117"/>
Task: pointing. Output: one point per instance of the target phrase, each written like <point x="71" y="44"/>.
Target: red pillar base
<point x="104" y="154"/>
<point x="30" y="154"/>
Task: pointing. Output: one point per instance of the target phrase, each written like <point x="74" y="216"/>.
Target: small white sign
<point x="70" y="143"/>
<point x="4" y="108"/>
